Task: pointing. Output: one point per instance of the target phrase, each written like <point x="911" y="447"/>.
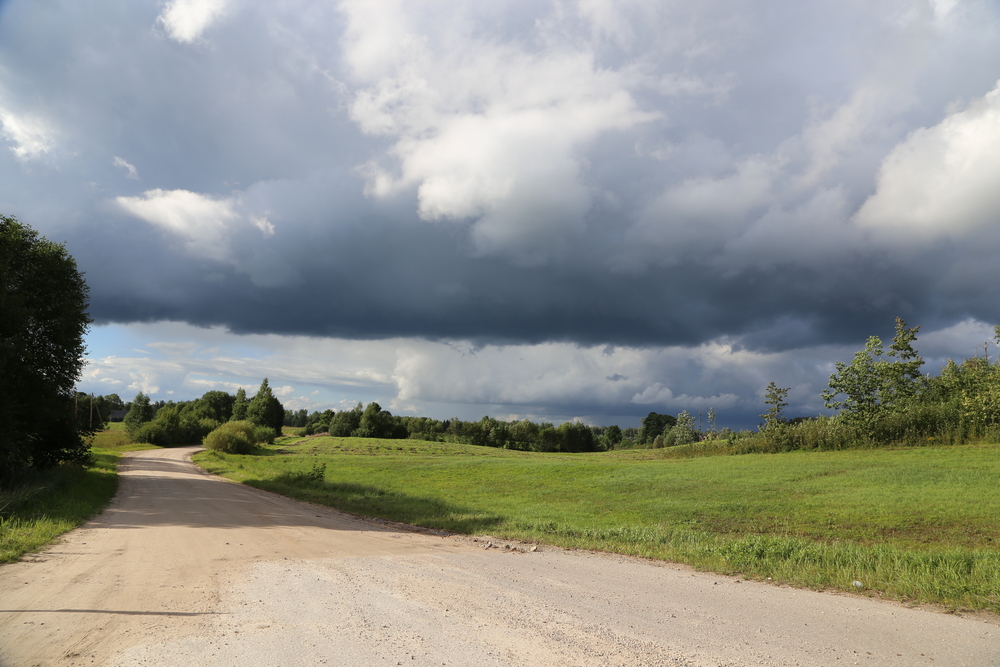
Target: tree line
<point x="168" y="423"/>
<point x="190" y="422"/>
<point x="526" y="435"/>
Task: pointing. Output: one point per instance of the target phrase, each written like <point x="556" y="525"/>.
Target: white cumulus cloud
<point x="211" y="228"/>
<point x="487" y="131"/>
<point x="942" y="180"/>
<point x="204" y="223"/>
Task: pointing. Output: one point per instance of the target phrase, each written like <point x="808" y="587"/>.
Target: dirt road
<point x="187" y="569"/>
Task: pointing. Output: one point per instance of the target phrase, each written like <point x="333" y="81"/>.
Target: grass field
<point x="911" y="524"/>
<point x="59" y="500"/>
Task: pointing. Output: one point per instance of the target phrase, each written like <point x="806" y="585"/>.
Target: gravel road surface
<point x="188" y="569"/>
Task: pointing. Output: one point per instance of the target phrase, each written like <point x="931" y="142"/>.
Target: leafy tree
<point x="265" y="409"/>
<point x="876" y="382"/>
<point x="682" y="432"/>
<point x="576" y="437"/>
<point x="378" y="423"/>
<point x="217" y="405"/>
<point x="523" y="434"/>
<point x="346" y="422"/>
<point x="140" y="413"/>
<point x="775" y="397"/>
<point x="43" y="319"/>
<point x="614" y="435"/>
<point x="653" y="425"/>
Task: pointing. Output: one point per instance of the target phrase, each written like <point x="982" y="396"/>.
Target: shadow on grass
<point x="50" y="503"/>
<point x="67" y="492"/>
<point x="385" y="504"/>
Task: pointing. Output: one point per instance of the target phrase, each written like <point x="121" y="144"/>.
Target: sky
<point x="558" y="210"/>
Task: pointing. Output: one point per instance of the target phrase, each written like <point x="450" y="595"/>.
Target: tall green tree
<point x="217" y="405"/>
<point x="140" y="413"/>
<point x="265" y="409"/>
<point x="43" y="320"/>
<point x="240" y="404"/>
<point x="614" y="435"/>
<point x="903" y="379"/>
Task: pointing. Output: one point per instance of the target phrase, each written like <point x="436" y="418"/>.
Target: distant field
<point x="62" y="499"/>
<point x="913" y="524"/>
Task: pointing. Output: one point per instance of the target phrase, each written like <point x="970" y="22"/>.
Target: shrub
<point x="264" y="435"/>
<point x="152" y="433"/>
<point x="238" y="437"/>
<point x="229" y="441"/>
<point x="170" y="428"/>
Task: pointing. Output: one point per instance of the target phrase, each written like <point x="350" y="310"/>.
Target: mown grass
<point x="53" y="502"/>
<point x="910" y="524"/>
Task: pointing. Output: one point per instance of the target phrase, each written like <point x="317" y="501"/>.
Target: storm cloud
<point x="524" y="181"/>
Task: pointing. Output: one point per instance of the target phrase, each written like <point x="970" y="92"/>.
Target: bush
<point x="238" y="437"/>
<point x="229" y="441"/>
<point x="151" y="433"/>
<point x="170" y="428"/>
<point x="264" y="435"/>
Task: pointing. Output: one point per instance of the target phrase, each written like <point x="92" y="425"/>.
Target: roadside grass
<point x="53" y="502"/>
<point x="917" y="525"/>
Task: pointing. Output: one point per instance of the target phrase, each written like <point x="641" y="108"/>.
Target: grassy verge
<point x="55" y="501"/>
<point x="913" y="524"/>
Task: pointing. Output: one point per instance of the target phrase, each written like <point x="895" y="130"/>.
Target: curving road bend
<point x="188" y="569"/>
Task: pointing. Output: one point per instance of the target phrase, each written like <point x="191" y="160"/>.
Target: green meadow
<point x="54" y="501"/>
<point x="913" y="524"/>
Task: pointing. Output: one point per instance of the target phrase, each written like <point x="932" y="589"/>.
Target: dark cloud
<point x="383" y="279"/>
